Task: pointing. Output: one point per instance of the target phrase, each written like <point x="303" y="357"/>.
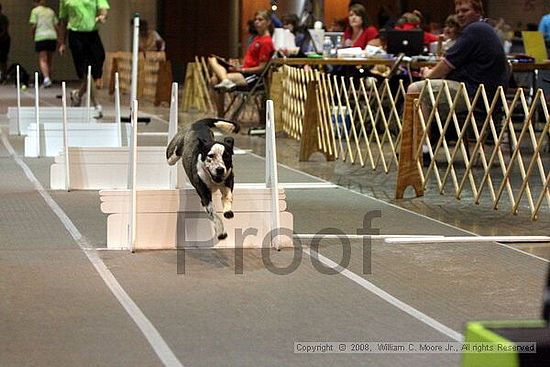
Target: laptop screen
<point x="411" y="43"/>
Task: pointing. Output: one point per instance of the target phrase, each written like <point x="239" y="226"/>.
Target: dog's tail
<point x="222" y="124"/>
<point x="175" y="148"/>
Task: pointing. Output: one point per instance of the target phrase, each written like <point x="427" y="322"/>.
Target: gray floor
<point x="65" y="302"/>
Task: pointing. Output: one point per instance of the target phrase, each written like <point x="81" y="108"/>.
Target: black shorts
<point x="87" y="49"/>
<point x="5" y="49"/>
<point x="46" y="45"/>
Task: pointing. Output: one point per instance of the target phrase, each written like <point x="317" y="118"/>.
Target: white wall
<point x="115" y="33"/>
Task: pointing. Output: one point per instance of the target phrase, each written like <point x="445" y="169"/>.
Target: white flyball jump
<point x="47" y="139"/>
<point x="21" y="117"/>
<point x="169" y="219"/>
<point x="97" y="168"/>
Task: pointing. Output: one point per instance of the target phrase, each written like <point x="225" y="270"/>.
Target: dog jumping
<point x="208" y="164"/>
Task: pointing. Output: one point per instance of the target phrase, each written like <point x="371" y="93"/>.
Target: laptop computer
<point x="411" y="43"/>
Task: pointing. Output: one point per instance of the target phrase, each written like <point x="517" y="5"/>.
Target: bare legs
<point x="45" y="62"/>
<point x="221" y="73"/>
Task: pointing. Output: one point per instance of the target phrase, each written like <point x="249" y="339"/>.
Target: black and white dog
<point x="208" y="164"/>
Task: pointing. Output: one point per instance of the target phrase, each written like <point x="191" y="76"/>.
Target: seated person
<point x="302" y="39"/>
<point x="256" y="57"/>
<point x="359" y="32"/>
<point x="450" y="32"/>
<point x="149" y="40"/>
<point x="411" y="21"/>
<point x="476" y="58"/>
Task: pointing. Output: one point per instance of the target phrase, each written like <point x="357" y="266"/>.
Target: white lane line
<point x="386" y="296"/>
<point x="147" y="328"/>
<point x="385" y="237"/>
<point x="468" y="239"/>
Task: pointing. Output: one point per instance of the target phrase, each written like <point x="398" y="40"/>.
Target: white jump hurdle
<point x="168" y="219"/>
<point x="27" y="116"/>
<point x="21" y="117"/>
<point x="97" y="168"/>
<point x="79" y="134"/>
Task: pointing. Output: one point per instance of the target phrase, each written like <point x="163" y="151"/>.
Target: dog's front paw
<point x="222" y="236"/>
<point x="228" y="214"/>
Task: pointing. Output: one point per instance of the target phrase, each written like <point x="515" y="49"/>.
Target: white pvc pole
<point x="65" y="137"/>
<point x="18" y="100"/>
<point x="172" y="130"/>
<point x="273" y="181"/>
<point x="135" y="49"/>
<point x="328" y="236"/>
<point x="117" y="110"/>
<point x="37" y="112"/>
<point x="132" y="175"/>
<point x="467" y="239"/>
<point x="88" y="92"/>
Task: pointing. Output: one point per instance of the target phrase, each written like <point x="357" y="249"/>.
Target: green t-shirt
<point x="80" y="14"/>
<point x="45" y="21"/>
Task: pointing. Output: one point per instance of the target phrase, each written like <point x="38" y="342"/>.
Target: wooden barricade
<point x="196" y="93"/>
<point x="494" y="155"/>
<point x="151" y="66"/>
<point x="480" y="143"/>
<point x="408" y="172"/>
<point x="346" y="119"/>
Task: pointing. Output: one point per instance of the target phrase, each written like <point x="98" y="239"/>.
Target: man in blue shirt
<point x="476" y="58"/>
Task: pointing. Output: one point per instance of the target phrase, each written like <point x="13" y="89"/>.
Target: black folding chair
<point x="255" y="91"/>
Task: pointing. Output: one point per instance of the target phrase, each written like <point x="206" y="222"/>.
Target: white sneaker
<point x="47" y="83"/>
<point x="98" y="112"/>
<point x="225" y="85"/>
<point x="76" y="100"/>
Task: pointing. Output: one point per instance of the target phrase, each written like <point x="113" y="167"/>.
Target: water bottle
<point x="327" y="46"/>
<point x="335" y="47"/>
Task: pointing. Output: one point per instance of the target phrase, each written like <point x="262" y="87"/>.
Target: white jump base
<point x="47" y="115"/>
<point x="79" y="134"/>
<point x="170" y="219"/>
<point x="95" y="168"/>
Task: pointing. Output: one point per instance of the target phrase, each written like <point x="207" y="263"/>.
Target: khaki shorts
<point x="437" y="85"/>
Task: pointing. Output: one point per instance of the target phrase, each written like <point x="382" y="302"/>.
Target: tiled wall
<point x="116" y="33"/>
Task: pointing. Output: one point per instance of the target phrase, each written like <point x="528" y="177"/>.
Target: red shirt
<point x="368" y="34"/>
<point x="260" y="50"/>
<point x="428" y="37"/>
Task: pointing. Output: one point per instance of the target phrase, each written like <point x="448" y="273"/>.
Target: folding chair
<point x="255" y="91"/>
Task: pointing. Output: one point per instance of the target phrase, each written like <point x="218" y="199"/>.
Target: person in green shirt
<point x="79" y="20"/>
<point x="44" y="30"/>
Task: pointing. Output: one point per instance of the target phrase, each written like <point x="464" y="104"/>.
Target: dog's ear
<point x="202" y="143"/>
<point x="229" y="142"/>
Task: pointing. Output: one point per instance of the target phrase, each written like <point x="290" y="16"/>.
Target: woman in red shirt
<point x="256" y="57"/>
<point x="358" y="33"/>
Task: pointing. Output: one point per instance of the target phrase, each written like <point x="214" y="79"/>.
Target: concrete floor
<point x="65" y="302"/>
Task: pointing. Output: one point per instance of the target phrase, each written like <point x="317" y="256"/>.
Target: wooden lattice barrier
<point x="149" y="65"/>
<point x="196" y="93"/>
<point x="354" y="120"/>
<point x="493" y="147"/>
